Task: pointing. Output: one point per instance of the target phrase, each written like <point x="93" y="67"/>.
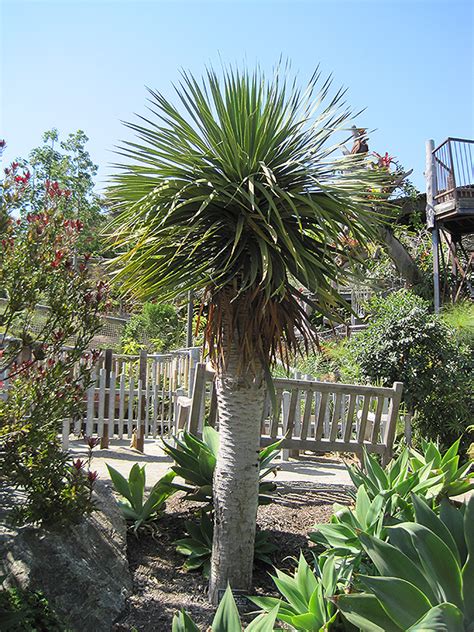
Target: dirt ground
<point x="161" y="587"/>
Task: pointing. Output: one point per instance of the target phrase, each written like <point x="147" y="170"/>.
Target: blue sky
<point x="85" y="65"/>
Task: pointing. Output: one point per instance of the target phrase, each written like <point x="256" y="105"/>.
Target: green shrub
<point x="460" y="318"/>
<point x="157" y="328"/>
<point x="139" y="514"/>
<point x="426" y="574"/>
<point x="25" y="611"/>
<point x="404" y="342"/>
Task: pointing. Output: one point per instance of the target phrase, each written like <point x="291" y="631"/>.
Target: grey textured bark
<point x="240" y="403"/>
<point x="400" y="256"/>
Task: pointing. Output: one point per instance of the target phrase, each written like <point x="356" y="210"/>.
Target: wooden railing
<point x="454" y="167"/>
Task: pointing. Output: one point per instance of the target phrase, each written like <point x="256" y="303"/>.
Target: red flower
<point x="78" y="464"/>
<point x="92" y="476"/>
<point x="58" y="256"/>
<point x="92" y="442"/>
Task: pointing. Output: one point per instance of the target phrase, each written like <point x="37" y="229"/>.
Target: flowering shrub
<point x="45" y="381"/>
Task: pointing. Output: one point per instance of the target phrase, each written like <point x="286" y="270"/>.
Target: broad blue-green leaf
<point x="427" y="517"/>
<point x="442" y="618"/>
<point x="365" y="612"/>
<point x="264" y="622"/>
<point x="453" y="518"/>
<point x="440" y="566"/>
<point x="136" y="480"/>
<point x="402" y="601"/>
<point x="211" y="439"/>
<point x="120" y="483"/>
<point x="182" y="622"/>
<point x="227" y="616"/>
<point x="468" y="568"/>
<point x="390" y="562"/>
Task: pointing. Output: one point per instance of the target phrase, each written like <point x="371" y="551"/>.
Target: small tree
<point x="43" y="382"/>
<point x="244" y="199"/>
<point x="66" y="164"/>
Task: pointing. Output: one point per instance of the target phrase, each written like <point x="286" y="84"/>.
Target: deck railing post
<point x="430" y="176"/>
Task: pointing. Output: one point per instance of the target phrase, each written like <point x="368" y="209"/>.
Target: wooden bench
<point x="310" y="415"/>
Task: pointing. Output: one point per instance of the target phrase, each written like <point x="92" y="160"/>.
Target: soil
<point x="161" y="587"/>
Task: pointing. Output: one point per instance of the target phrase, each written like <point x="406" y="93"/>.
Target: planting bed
<point x="161" y="587"/>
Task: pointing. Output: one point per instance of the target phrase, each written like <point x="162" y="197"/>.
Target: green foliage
<point x="195" y="461"/>
<point x="238" y="181"/>
<point x="404" y="342"/>
<point x="460" y="318"/>
<point x="157" y="328"/>
<point x="341" y="535"/>
<point x="455" y="479"/>
<point x="306" y="604"/>
<point x="426" y="574"/>
<point x="138" y="511"/>
<point x="24" y="611"/>
<point x="68" y="164"/>
<point x="397" y="481"/>
<point x="197" y="545"/>
<point x="226" y="619"/>
<point x="46" y="382"/>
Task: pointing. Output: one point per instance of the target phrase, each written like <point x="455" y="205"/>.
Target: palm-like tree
<point x="238" y="193"/>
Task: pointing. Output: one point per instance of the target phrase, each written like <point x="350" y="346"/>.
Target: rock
<point x="82" y="571"/>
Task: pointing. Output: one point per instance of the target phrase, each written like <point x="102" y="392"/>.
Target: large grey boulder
<point x="82" y="571"/>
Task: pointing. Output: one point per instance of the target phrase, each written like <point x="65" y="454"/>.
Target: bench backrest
<point x="313" y="415"/>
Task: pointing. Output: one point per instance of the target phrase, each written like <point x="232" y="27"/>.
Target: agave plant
<point x="426" y="575"/>
<point x="396" y="482"/>
<point x="341" y="534"/>
<point x="197" y="545"/>
<point x="226" y="619"/>
<point x="138" y="511"/>
<point x="195" y="461"/>
<point x="241" y="191"/>
<point x="455" y="479"/>
<point x="307" y="605"/>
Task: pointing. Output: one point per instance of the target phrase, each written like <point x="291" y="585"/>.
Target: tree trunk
<point x="240" y="400"/>
<point x="400" y="256"/>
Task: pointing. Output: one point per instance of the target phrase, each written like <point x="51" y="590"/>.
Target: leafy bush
<point x="460" y="318"/>
<point x="195" y="461"/>
<point x="227" y="619"/>
<point x="24" y="611"/>
<point x="137" y="513"/>
<point x="307" y="605"/>
<point x="426" y="573"/>
<point x="157" y="328"/>
<point x="46" y="382"/>
<point x="197" y="546"/>
<point x="404" y="342"/>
